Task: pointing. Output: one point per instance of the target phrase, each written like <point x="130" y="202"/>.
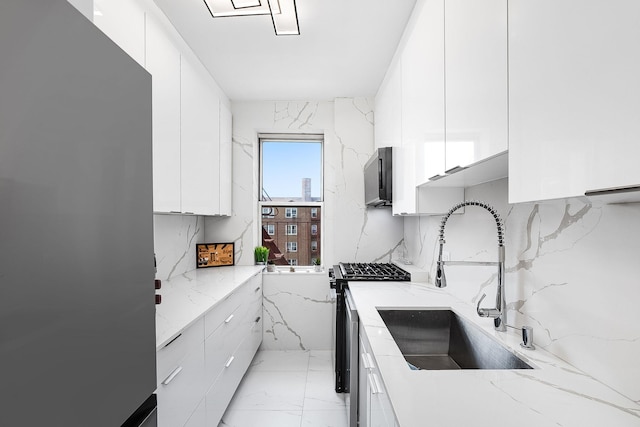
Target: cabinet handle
<point x="188" y="213"/>
<point x="613" y="190"/>
<point x="229" y="362"/>
<point x="373" y="381"/>
<point x="258" y="319"/>
<point x="257" y="289"/>
<point x="172" y="375"/>
<point x="228" y="319"/>
<point x="366" y="361"/>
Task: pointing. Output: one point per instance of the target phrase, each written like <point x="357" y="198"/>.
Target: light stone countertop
<point x="553" y="394"/>
<point x="188" y="297"/>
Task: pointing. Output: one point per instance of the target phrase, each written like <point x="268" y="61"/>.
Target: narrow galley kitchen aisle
<point x="287" y="389"/>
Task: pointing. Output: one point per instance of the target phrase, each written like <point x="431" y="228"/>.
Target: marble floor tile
<point x="320" y="360"/>
<point x="270" y="390"/>
<point x="320" y="393"/>
<point x="287" y="389"/>
<point x="246" y="418"/>
<point x="273" y="360"/>
<point x="325" y="418"/>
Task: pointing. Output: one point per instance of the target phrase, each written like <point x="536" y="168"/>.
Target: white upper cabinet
<point x="200" y="140"/>
<point x="163" y="62"/>
<point x="191" y="119"/>
<point x="475" y="80"/>
<point x="123" y="22"/>
<point x="422" y="152"/>
<point x="226" y="160"/>
<point x="388" y="109"/>
<point x="574" y="99"/>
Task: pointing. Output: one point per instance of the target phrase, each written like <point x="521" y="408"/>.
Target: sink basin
<point x="440" y="339"/>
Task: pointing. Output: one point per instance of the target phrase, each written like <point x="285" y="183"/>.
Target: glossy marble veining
<point x="351" y="232"/>
<point x="554" y="393"/>
<point x="571" y="273"/>
<point x="187" y="297"/>
<point x="287" y="389"/>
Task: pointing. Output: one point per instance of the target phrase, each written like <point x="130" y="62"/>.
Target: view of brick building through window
<point x="292" y="234"/>
<point x="291" y="194"/>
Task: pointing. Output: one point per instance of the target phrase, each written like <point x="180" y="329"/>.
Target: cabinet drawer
<point x="199" y="416"/>
<point x="180" y="391"/>
<point x="249" y="291"/>
<point x="221" y="345"/>
<point x="221" y="392"/>
<point x="170" y="355"/>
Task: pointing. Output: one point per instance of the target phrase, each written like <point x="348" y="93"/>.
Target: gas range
<point x="351" y="272"/>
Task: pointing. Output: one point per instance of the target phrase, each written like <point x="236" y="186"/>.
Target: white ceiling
<point x="343" y="49"/>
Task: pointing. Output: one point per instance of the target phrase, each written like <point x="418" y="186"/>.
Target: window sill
<point x="298" y="270"/>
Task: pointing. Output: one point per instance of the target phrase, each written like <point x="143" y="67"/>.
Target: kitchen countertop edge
<point x="188" y="297"/>
<point x="554" y="393"/>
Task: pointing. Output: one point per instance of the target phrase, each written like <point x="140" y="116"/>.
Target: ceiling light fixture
<point x="284" y="13"/>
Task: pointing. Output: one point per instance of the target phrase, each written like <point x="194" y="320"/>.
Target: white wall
<point x="351" y="231"/>
<point x="572" y="272"/>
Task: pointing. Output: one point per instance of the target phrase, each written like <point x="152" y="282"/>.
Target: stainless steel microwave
<point x="378" y="178"/>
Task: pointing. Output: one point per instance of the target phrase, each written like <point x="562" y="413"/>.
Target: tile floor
<point x="287" y="389"/>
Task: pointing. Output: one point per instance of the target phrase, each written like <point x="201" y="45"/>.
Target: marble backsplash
<point x="175" y="238"/>
<point x="571" y="273"/>
<point x="351" y="232"/>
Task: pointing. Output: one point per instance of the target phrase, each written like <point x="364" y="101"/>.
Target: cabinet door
<point x="574" y="97"/>
<point x="422" y="153"/>
<point x="226" y="159"/>
<point x="476" y="80"/>
<point x="163" y="62"/>
<point x="388" y="109"/>
<point x="123" y="21"/>
<point x="200" y="167"/>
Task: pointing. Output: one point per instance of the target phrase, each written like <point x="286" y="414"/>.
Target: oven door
<point x="351" y="377"/>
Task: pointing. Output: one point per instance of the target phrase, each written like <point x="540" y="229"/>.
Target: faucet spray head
<point x="441" y="279"/>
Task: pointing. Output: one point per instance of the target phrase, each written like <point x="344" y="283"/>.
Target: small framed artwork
<point x="214" y="254"/>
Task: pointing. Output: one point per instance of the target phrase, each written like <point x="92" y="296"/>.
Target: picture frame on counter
<point x="214" y="254"/>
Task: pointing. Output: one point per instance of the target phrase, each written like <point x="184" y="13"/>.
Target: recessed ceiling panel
<point x="222" y="8"/>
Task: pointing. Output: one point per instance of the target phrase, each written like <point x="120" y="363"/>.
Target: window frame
<point x="292" y="230"/>
<point x="294" y="137"/>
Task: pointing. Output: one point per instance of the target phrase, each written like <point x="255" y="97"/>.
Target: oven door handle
<point x="351" y="306"/>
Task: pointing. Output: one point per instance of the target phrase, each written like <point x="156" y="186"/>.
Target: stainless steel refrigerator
<point x="77" y="312"/>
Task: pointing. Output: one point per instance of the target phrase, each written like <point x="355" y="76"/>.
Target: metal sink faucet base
<point x="499" y="312"/>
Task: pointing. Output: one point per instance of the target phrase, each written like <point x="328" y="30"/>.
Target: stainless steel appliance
<point x="378" y="178"/>
<point x="345" y="351"/>
<point x="77" y="312"/>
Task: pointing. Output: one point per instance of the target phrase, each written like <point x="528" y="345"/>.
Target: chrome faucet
<point x="499" y="313"/>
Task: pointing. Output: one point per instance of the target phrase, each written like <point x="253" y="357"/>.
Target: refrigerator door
<point x="77" y="313"/>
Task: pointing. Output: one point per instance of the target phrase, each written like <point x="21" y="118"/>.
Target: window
<point x="314" y="246"/>
<point x="291" y="195"/>
<point x="292" y="229"/>
<point x="291" y="213"/>
<point x="268" y="212"/>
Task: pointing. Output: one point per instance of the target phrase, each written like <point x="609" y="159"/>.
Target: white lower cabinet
<point x="233" y="369"/>
<point x="375" y="408"/>
<point x="199" y="371"/>
<point x="181" y="383"/>
<point x="199" y="416"/>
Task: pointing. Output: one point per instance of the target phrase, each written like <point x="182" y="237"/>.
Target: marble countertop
<point x="188" y="297"/>
<point x="553" y="394"/>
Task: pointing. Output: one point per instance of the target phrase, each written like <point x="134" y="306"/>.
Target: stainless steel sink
<point x="440" y="339"/>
